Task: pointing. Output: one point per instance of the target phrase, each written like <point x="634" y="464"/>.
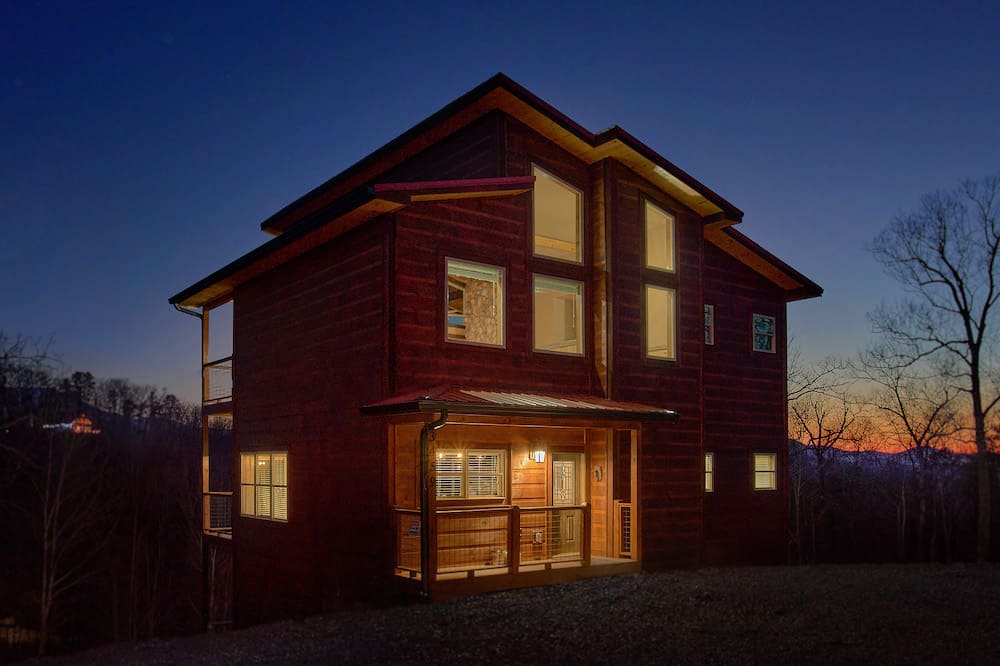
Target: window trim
<point x="272" y="485"/>
<point x="773" y="456"/>
<point x="773" y="336"/>
<point x="502" y="303"/>
<point x="650" y="202"/>
<point x="501" y="475"/>
<point x="646" y="287"/>
<point x="709" y="469"/>
<point x="581" y="216"/>
<point x="581" y="317"/>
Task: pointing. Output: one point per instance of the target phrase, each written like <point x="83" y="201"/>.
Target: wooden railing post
<point x="586" y="534"/>
<point x="514" y="539"/>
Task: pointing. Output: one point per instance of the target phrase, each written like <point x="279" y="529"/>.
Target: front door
<point x="567" y="491"/>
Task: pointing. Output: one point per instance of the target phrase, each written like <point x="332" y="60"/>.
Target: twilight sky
<point x="142" y="146"/>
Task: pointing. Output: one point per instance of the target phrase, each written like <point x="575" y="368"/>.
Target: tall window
<point x="264" y="485"/>
<point x="659" y="238"/>
<point x="558" y="306"/>
<point x="709" y="472"/>
<point x="470" y="474"/>
<point x="765" y="471"/>
<point x="661" y="322"/>
<point x="557" y="214"/>
<point x="709" y="325"/>
<point x="763" y="333"/>
<point x="475" y="302"/>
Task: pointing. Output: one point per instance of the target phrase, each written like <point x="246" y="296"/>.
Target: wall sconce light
<point x="538" y="455"/>
<point x="598" y="473"/>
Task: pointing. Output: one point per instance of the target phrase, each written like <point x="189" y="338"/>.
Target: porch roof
<point x="513" y="402"/>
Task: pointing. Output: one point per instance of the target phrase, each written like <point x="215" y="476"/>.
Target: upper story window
<point x="659" y="239"/>
<point x="558" y="307"/>
<point x="470" y="474"/>
<point x="557" y="214"/>
<point x="709" y="472"/>
<point x="709" y="325"/>
<point x="661" y="323"/>
<point x="475" y="299"/>
<point x="763" y="333"/>
<point x="264" y="485"/>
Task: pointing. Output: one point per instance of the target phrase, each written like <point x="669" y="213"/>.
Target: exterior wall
<point x="670" y="457"/>
<point x="744" y="412"/>
<point x="494" y="231"/>
<point x="309" y="352"/>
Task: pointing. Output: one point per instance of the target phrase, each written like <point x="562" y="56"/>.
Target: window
<point x="659" y="238"/>
<point x="765" y="471"/>
<point x="558" y="315"/>
<point x="709" y="472"/>
<point x="660" y="322"/>
<point x="709" y="325"/>
<point x="557" y="214"/>
<point x="475" y="303"/>
<point x="264" y="485"/>
<point x="763" y="333"/>
<point x="469" y="474"/>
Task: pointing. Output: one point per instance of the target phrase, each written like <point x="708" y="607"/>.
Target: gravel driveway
<point x="884" y="614"/>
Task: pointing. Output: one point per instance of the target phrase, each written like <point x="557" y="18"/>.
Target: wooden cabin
<point x="499" y="351"/>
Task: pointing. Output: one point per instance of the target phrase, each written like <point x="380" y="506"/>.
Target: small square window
<point x="661" y="323"/>
<point x="659" y="238"/>
<point x="264" y="485"/>
<point x="765" y="471"/>
<point x="763" y="333"/>
<point x="557" y="214"/>
<point x="709" y="472"/>
<point x="558" y="315"/>
<point x="475" y="300"/>
<point x="709" y="325"/>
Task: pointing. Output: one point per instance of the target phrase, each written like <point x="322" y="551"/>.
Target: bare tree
<point x="945" y="255"/>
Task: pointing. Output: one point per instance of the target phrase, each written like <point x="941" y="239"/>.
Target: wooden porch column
<point x="586" y="534"/>
<point x="514" y="539"/>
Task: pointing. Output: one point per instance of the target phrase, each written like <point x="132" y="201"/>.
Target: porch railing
<point x="218" y="512"/>
<point x="623" y="529"/>
<point x="217" y="381"/>
<point x="505" y="539"/>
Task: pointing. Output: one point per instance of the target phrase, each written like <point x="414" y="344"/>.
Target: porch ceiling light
<point x="538" y="455"/>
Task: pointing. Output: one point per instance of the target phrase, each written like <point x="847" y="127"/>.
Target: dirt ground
<point x="878" y="614"/>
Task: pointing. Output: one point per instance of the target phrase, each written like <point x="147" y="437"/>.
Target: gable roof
<point x="354" y="196"/>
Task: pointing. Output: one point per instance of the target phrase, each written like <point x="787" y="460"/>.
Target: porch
<point x="513" y="490"/>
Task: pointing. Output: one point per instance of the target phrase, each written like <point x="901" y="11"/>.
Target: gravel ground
<point x="885" y="614"/>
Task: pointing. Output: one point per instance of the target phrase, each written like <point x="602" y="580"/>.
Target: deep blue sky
<point x="141" y="146"/>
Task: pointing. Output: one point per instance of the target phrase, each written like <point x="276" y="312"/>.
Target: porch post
<point x="586" y="534"/>
<point x="428" y="555"/>
<point x="514" y="539"/>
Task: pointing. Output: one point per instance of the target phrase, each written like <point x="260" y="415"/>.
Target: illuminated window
<point x="763" y="333"/>
<point x="659" y="238"/>
<point x="660" y="322"/>
<point x="558" y="315"/>
<point x="765" y="471"/>
<point x="709" y="472"/>
<point x="557" y="213"/>
<point x="469" y="474"/>
<point x="709" y="325"/>
<point x="264" y="485"/>
<point x="475" y="303"/>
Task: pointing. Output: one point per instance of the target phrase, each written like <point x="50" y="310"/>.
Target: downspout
<point x="186" y="311"/>
<point x="426" y="434"/>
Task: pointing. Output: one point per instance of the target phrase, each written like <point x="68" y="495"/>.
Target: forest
<point x="100" y="504"/>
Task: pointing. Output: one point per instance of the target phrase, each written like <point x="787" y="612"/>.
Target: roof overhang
<point x="500" y="93"/>
<point x="339" y="217"/>
<point x="795" y="285"/>
<point x="492" y="402"/>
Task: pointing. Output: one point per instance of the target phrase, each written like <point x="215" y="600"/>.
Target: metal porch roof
<point x="513" y="402"/>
